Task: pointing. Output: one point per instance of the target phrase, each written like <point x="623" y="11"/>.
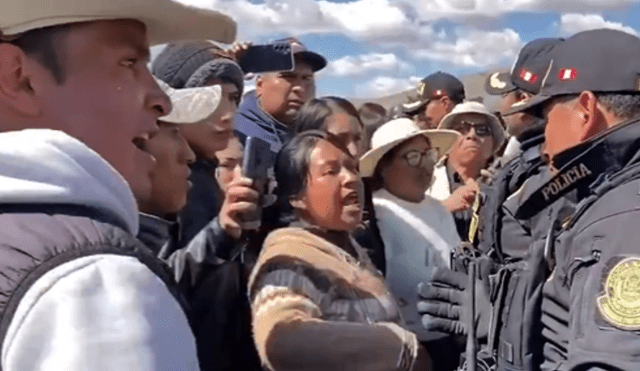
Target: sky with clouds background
<point x="382" y="47"/>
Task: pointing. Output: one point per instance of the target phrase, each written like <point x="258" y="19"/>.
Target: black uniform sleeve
<point x="603" y="271"/>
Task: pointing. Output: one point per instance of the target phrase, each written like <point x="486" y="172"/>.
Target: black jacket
<point x="501" y="235"/>
<point x="211" y="277"/>
<point x="590" y="310"/>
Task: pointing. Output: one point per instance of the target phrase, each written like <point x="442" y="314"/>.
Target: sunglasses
<point x="415" y="158"/>
<point x="463" y="127"/>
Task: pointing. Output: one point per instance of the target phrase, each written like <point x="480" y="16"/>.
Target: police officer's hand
<point x="462" y="198"/>
<point x="240" y="198"/>
<point x="443" y="303"/>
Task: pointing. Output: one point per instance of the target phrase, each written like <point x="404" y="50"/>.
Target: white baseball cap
<point x="191" y="105"/>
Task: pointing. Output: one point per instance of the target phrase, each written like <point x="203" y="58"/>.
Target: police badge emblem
<point x="495" y="82"/>
<point x="421" y="88"/>
<point x="620" y="303"/>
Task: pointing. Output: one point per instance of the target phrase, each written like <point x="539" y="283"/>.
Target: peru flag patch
<point x="567" y="74"/>
<point x="528" y="76"/>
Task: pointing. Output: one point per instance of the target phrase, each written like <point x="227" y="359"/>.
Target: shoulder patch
<point x="619" y="305"/>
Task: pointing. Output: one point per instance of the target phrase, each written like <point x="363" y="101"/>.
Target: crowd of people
<point x="438" y="234"/>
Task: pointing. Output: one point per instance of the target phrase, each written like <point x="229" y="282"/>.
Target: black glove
<point x="442" y="303"/>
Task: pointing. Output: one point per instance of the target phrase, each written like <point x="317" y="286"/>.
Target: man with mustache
<point x="268" y="112"/>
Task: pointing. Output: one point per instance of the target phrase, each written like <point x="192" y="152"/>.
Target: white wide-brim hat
<point x="191" y="105"/>
<point x="497" y="131"/>
<point x="397" y="131"/>
<point x="166" y="20"/>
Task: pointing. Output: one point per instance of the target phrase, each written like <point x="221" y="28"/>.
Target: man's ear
<point x="16" y="80"/>
<point x="589" y="115"/>
<point x="447" y="102"/>
<point x="524" y="95"/>
<point x="259" y="85"/>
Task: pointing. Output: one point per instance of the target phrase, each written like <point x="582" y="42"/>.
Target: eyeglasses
<point x="482" y="128"/>
<point x="414" y="158"/>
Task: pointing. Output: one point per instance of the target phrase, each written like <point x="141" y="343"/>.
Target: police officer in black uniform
<point x="588" y="316"/>
<point x="504" y="240"/>
<point x="499" y="233"/>
<point x="590" y="310"/>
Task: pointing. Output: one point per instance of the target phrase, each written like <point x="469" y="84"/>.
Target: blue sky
<point x="380" y="47"/>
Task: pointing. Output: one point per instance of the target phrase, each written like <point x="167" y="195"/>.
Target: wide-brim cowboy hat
<point x="396" y="132"/>
<point x="191" y="105"/>
<point x="166" y="20"/>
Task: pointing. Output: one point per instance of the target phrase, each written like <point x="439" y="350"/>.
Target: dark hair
<point x="397" y="112"/>
<point x="313" y="114"/>
<point x="292" y="162"/>
<point x="46" y="46"/>
<point x="625" y="106"/>
<point x="370" y="113"/>
<point x="373" y="116"/>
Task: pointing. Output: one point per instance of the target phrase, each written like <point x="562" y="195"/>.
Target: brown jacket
<point x="317" y="307"/>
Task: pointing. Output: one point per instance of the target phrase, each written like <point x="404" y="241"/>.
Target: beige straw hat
<point x="497" y="131"/>
<point x="397" y="131"/>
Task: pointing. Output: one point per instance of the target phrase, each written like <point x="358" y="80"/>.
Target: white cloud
<point x="409" y="26"/>
<point x="381" y="20"/>
<point x="473" y="48"/>
<point x="364" y="64"/>
<point x="574" y="23"/>
<point x="361" y="19"/>
<point x="386" y="85"/>
<point x="439" y="9"/>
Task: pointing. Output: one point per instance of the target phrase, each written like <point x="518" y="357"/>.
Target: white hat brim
<point x="191" y="105"/>
<point x="166" y="20"/>
<point x="441" y="140"/>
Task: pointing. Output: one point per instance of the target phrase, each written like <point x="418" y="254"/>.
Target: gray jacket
<point x="72" y="276"/>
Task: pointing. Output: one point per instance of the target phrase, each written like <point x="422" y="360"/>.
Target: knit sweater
<point x="417" y="238"/>
<point x="317" y="307"/>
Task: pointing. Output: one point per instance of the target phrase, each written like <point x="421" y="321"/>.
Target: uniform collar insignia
<point x="581" y="171"/>
<point x="580" y="166"/>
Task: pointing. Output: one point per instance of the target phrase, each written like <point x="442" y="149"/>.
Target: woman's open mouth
<point x="351" y="199"/>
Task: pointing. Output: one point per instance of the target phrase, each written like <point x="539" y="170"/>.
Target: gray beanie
<point x="221" y="68"/>
<point x="179" y="61"/>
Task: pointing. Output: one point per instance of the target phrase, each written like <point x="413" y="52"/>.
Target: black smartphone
<point x="267" y="58"/>
<point x="255" y="165"/>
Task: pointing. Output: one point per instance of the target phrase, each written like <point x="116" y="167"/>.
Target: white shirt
<point x="417" y="238"/>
